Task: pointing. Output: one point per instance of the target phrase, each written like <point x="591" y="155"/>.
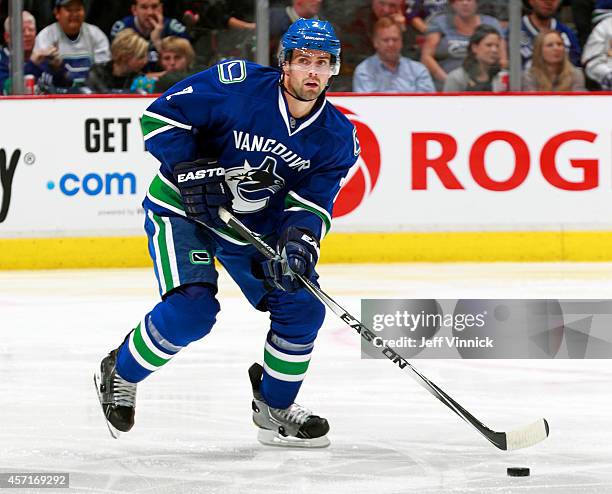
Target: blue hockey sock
<point x="185" y="315"/>
<point x="285" y="366"/>
<point x="296" y="319"/>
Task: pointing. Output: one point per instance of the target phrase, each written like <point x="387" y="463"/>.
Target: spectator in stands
<point x="418" y="11"/>
<point x="586" y="14"/>
<point x="448" y="37"/>
<point x="357" y="35"/>
<point x="387" y="71"/>
<point x="34" y="61"/>
<point x="542" y="18"/>
<point x="42" y="10"/>
<point x="550" y="68"/>
<point x="481" y="65"/>
<point x="176" y="55"/>
<point x="282" y="17"/>
<point x="597" y="57"/>
<point x="389" y="8"/>
<point x="79" y="45"/>
<point x="129" y="56"/>
<point x="148" y="21"/>
<point x="417" y="14"/>
<point x="602" y="10"/>
<point x="176" y="58"/>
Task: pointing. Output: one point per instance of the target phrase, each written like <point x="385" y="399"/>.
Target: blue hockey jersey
<point x="282" y="171"/>
<point x="529" y="33"/>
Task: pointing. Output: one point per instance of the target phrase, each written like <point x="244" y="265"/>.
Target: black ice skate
<point x="117" y="396"/>
<point x="294" y="426"/>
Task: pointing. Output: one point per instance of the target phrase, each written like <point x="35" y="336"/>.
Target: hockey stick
<point x="519" y="438"/>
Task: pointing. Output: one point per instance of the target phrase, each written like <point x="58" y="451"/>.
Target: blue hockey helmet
<point x="311" y="34"/>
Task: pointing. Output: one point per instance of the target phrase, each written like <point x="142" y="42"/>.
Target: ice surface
<point x="193" y="429"/>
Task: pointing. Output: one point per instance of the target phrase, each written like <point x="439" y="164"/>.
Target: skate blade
<point x="273" y="438"/>
<point x="113" y="432"/>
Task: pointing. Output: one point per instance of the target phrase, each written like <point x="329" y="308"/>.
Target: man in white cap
<point x="79" y="45"/>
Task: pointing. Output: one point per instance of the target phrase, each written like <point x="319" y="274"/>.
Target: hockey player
<point x="266" y="145"/>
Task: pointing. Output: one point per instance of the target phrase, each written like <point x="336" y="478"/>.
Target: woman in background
<point x="550" y="68"/>
<point x="481" y="65"/>
<point x="448" y="36"/>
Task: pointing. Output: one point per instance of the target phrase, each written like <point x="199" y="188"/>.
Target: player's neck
<point x="298" y="108"/>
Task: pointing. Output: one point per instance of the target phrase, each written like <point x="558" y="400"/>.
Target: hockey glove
<point x="203" y="190"/>
<point x="299" y="253"/>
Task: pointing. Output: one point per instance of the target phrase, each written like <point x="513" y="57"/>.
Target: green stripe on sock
<point x="144" y="350"/>
<point x="163" y="253"/>
<point x="149" y="124"/>
<point x="164" y="193"/>
<point x="284" y="367"/>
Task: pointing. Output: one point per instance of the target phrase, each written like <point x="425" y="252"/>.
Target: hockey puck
<point x="518" y="472"/>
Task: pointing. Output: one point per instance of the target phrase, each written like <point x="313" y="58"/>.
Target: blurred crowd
<point x="422" y="46"/>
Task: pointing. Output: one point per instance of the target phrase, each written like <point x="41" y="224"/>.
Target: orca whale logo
<point x="7" y="172"/>
<point x="253" y="187"/>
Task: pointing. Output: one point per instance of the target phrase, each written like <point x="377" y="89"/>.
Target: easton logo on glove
<point x="200" y="174"/>
<point x="203" y="190"/>
<point x="311" y="241"/>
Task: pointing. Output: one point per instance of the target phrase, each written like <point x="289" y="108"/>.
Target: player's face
<point x="553" y="49"/>
<point x="465" y="8"/>
<point x="308" y="72"/>
<point x="488" y="50"/>
<point x="173" y="62"/>
<point x="388" y="44"/>
<point x="384" y="8"/>
<point x="544" y="9"/>
<point x="71" y="17"/>
<point x="148" y="12"/>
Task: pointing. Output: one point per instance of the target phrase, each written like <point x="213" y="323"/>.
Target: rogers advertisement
<point x="479" y="163"/>
<point x="428" y="163"/>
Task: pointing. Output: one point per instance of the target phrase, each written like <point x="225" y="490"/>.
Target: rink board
<point x="108" y="252"/>
<point x="440" y="178"/>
